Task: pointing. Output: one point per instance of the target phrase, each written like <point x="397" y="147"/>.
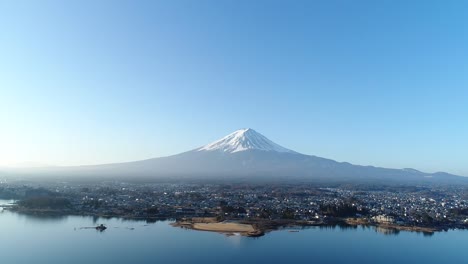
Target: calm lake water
<point x="28" y="239"/>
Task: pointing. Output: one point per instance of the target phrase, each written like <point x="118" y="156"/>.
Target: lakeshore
<point x="244" y="227"/>
<point x="255" y="228"/>
<point x="391" y="226"/>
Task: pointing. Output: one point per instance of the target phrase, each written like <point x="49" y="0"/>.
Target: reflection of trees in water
<point x="427" y="234"/>
<point x="97" y="219"/>
<point x="155" y="220"/>
<point x="381" y="230"/>
<point x="43" y="218"/>
<point x="387" y="231"/>
<point x="94" y="219"/>
<point x="394" y="231"/>
<point x="327" y="227"/>
<point x="339" y="226"/>
<point x="347" y="227"/>
<point x="299" y="227"/>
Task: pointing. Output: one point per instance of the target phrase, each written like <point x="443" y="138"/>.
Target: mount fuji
<point x="248" y="155"/>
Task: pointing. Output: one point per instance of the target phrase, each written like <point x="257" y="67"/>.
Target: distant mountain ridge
<point x="247" y="154"/>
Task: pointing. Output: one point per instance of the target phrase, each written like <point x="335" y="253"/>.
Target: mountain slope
<point x="246" y="154"/>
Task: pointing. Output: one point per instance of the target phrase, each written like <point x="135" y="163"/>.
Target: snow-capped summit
<point x="244" y="139"/>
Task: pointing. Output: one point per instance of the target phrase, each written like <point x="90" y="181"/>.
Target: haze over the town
<point x="92" y="82"/>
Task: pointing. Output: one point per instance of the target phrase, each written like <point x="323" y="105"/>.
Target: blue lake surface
<point x="29" y="239"/>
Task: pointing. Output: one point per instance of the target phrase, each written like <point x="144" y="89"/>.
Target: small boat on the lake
<point x="101" y="227"/>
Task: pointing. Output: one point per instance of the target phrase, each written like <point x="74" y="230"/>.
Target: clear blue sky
<point x="381" y="83"/>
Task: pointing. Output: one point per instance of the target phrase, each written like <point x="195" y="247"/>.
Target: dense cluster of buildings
<point x="443" y="206"/>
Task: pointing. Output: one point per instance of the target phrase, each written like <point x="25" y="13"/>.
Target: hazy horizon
<point x="238" y="141"/>
<point x="381" y="84"/>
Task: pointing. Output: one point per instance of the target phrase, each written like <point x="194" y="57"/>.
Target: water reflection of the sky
<point x="38" y="239"/>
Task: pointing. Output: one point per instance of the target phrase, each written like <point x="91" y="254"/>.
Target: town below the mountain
<point x="264" y="206"/>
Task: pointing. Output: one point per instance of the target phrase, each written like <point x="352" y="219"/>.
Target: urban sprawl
<point x="435" y="207"/>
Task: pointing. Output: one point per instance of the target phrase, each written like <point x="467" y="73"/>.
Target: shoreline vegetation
<point x="256" y="228"/>
<point x="390" y="226"/>
<point x="244" y="227"/>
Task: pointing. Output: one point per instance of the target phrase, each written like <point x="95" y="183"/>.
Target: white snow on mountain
<point x="244" y="139"/>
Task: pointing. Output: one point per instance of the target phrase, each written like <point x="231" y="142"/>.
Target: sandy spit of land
<point x="227" y="227"/>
